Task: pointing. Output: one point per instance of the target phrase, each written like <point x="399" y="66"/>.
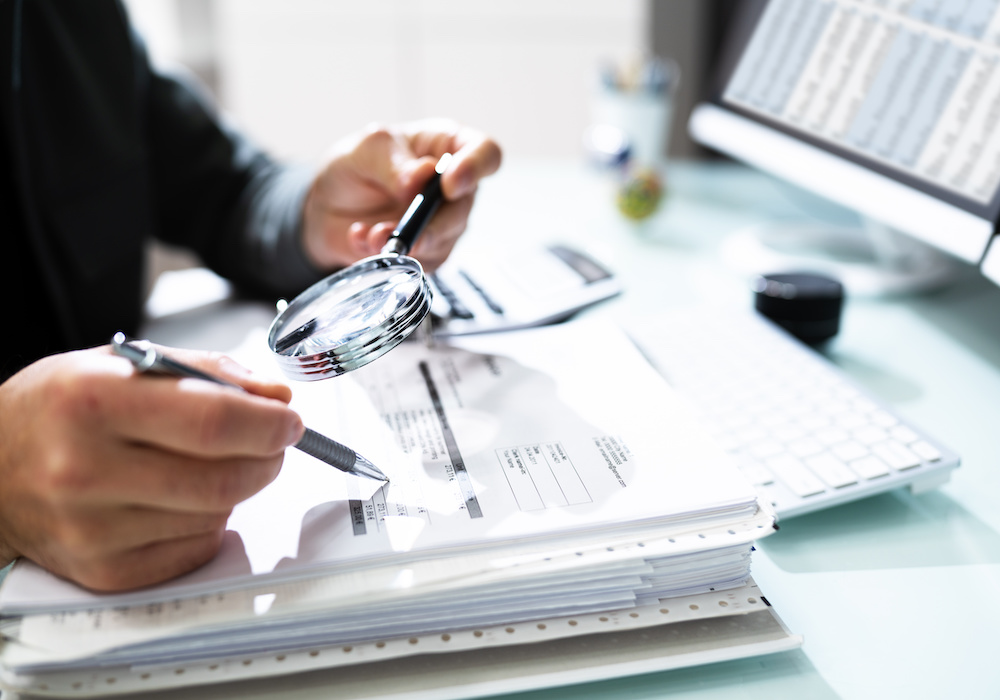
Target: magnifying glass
<point x="355" y="316"/>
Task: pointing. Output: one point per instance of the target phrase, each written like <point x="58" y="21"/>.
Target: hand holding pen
<point x="147" y="358"/>
<point x="116" y="480"/>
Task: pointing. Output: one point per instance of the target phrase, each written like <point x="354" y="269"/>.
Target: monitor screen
<point x="890" y="107"/>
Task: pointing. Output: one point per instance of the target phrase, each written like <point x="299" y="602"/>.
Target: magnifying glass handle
<point x="420" y="211"/>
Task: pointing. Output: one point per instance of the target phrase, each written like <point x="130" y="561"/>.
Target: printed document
<point x="557" y="436"/>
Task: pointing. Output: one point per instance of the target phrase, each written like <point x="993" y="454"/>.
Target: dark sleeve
<point x="218" y="195"/>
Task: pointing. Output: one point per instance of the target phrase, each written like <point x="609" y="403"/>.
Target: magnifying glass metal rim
<point x="334" y="362"/>
<point x="286" y="343"/>
<point x="362" y="348"/>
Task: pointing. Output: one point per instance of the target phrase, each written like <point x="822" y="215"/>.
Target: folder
<point x="549" y="496"/>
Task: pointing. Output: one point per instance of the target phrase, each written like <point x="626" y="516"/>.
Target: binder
<point x="555" y="527"/>
<point x="683" y="632"/>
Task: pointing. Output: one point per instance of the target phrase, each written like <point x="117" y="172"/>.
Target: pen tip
<point x="364" y="467"/>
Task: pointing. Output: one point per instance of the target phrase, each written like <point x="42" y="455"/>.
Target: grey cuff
<point x="273" y="231"/>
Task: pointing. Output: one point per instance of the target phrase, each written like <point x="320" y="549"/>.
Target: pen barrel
<point x="416" y="217"/>
<point x="327" y="450"/>
<point x="421" y="210"/>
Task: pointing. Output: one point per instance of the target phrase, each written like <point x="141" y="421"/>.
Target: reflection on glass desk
<point x="896" y="595"/>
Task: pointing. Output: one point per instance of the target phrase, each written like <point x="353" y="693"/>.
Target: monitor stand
<point x="870" y="259"/>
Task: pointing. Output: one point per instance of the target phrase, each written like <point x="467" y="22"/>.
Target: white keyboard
<point x="804" y="433"/>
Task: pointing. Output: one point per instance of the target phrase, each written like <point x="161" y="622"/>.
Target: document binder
<point x="541" y="525"/>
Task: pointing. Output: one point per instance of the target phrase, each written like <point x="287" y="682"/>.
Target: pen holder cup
<point x="643" y="118"/>
<point x="639" y="103"/>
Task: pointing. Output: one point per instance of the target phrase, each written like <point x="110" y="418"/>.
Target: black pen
<point x="146" y="358"/>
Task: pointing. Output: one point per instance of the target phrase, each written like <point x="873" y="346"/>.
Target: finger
<point x="384" y="162"/>
<point x="436" y="243"/>
<point x="141" y="476"/>
<point x="96" y="531"/>
<point x="224" y="367"/>
<point x="196" y="417"/>
<point x="377" y="235"/>
<point x="145" y="565"/>
<point x="335" y="250"/>
<point x="414" y="176"/>
<point x="475" y="155"/>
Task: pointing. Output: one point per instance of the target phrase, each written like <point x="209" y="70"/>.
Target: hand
<point x="117" y="480"/>
<point x="369" y="180"/>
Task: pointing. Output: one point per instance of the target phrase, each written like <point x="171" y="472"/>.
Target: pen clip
<point x="142" y="359"/>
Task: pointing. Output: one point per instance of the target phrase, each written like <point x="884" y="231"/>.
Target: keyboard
<point x="802" y="431"/>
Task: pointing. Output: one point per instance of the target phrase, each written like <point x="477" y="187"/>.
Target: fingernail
<point x="295" y="431"/>
<point x="464" y="183"/>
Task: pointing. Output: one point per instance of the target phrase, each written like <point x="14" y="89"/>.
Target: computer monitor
<point x="890" y="107"/>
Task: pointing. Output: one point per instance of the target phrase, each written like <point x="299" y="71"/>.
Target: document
<point x="543" y="484"/>
<point x="561" y="434"/>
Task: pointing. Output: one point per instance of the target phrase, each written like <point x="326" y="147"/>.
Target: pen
<point x="146" y="358"/>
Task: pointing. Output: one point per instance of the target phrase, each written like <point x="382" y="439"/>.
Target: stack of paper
<point x="547" y="476"/>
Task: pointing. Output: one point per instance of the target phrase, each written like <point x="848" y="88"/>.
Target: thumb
<point x="383" y="158"/>
<point x="413" y="175"/>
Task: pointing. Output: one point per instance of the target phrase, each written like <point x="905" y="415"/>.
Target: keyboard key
<point x="806" y="447"/>
<point x="795" y="476"/>
<point x="870" y="467"/>
<point x="749" y="436"/>
<point x="831" y="470"/>
<point x="870" y="435"/>
<point x="734" y="421"/>
<point x="903" y="434"/>
<point x="846" y="391"/>
<point x="833" y="436"/>
<point x="457" y="309"/>
<point x="773" y="419"/>
<point x="728" y="443"/>
<point x="836" y="407"/>
<point x="849" y="451"/>
<point x="884" y="419"/>
<point x="926" y="450"/>
<point x="814" y="421"/>
<point x="896" y="455"/>
<point x="755" y="472"/>
<point x="819" y="396"/>
<point x="852" y="420"/>
<point x="863" y="405"/>
<point x="765" y="449"/>
<point x="788" y="432"/>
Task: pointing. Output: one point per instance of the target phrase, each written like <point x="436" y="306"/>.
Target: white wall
<point x="298" y="74"/>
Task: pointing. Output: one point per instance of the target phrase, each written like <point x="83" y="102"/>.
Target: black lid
<point x="807" y="305"/>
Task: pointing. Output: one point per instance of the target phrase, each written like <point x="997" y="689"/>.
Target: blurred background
<point x="298" y="74"/>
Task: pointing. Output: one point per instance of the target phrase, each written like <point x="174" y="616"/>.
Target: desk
<point x="896" y="596"/>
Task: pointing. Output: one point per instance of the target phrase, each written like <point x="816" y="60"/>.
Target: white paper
<point x="548" y="433"/>
<point x="379" y="601"/>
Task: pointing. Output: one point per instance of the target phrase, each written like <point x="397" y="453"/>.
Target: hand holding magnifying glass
<point x="362" y="312"/>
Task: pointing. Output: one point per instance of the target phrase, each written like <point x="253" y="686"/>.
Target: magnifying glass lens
<point x="350" y="318"/>
<point x="350" y="309"/>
